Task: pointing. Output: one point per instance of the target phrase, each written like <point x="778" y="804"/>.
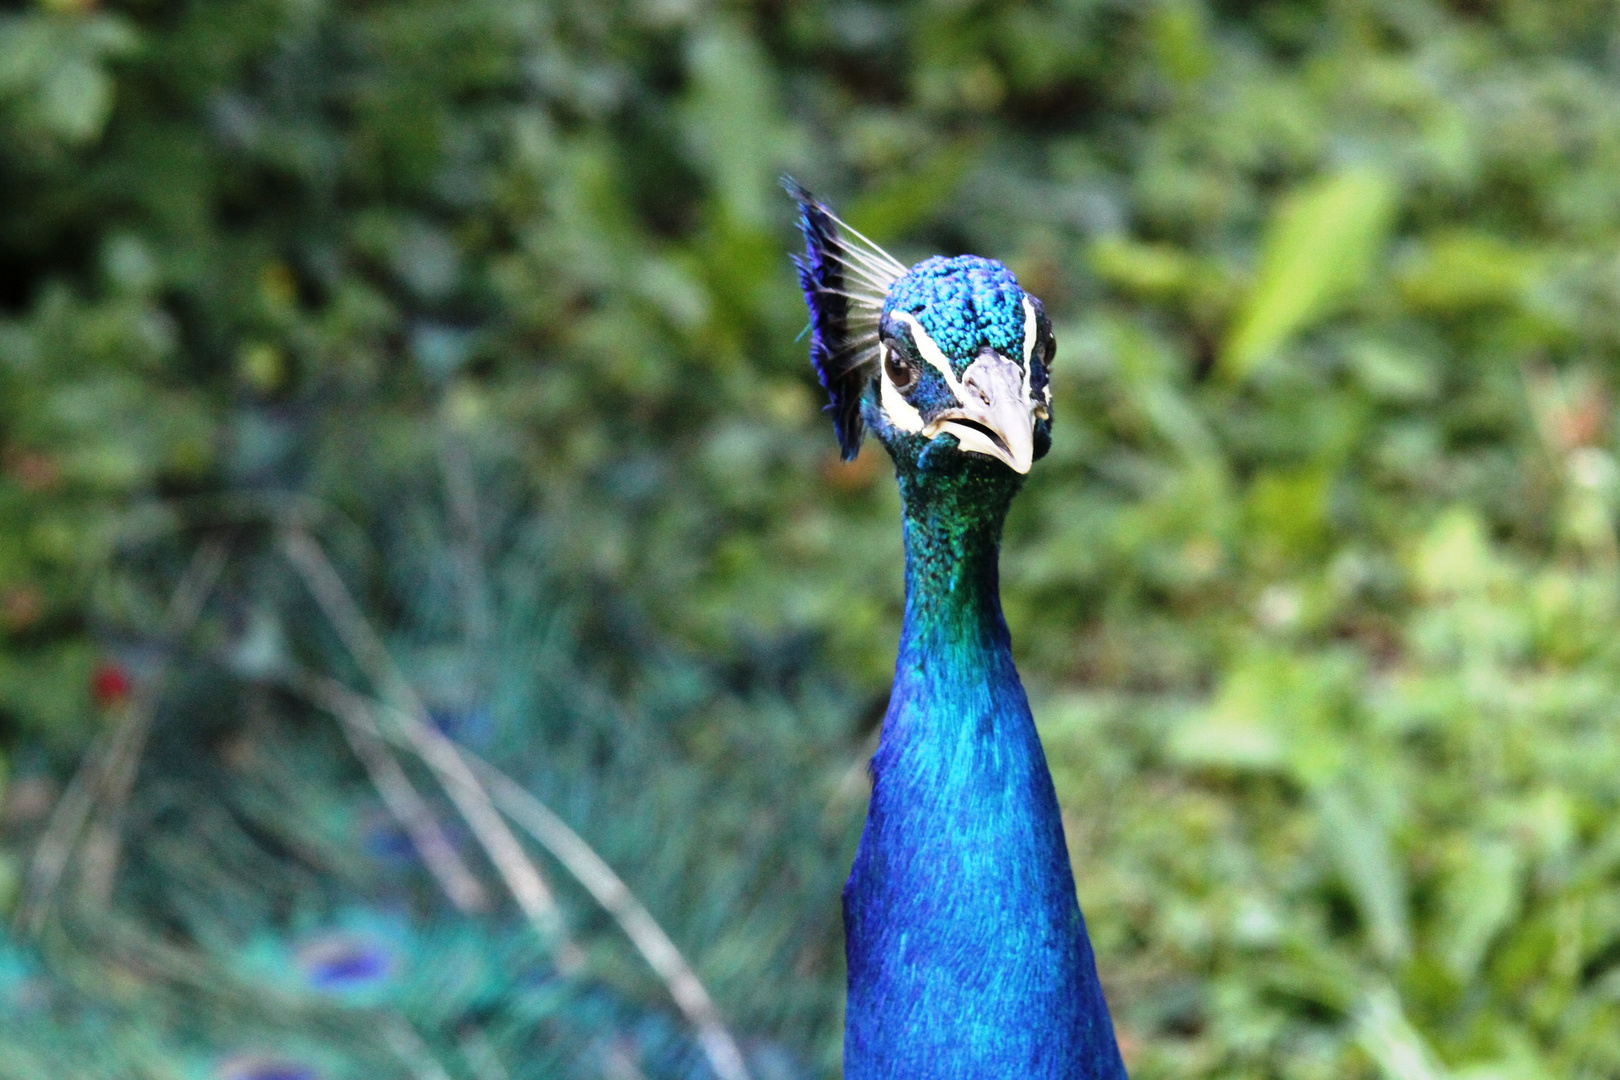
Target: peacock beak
<point x="997" y="415"/>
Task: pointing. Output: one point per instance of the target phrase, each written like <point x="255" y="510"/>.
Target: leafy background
<point x="1317" y="593"/>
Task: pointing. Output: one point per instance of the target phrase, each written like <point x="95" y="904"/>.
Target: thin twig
<point x="55" y="844"/>
<point x="610" y="891"/>
<point x="404" y="803"/>
<point x="101" y="849"/>
<point x="461" y="491"/>
<point x="522" y="877"/>
<point x="108" y="772"/>
<point x="587" y="867"/>
<point x="407" y="806"/>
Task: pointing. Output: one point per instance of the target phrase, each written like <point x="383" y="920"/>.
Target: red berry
<point x="109" y="685"/>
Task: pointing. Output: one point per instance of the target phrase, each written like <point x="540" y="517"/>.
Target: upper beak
<point x="997" y="416"/>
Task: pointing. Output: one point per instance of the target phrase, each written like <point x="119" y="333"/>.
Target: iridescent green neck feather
<point x="952" y="524"/>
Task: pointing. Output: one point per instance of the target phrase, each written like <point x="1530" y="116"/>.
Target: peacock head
<point x="946" y="362"/>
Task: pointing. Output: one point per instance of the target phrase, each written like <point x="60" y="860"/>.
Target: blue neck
<point x="968" y="958"/>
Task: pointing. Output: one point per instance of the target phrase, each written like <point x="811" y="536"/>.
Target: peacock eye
<point x="900" y="373"/>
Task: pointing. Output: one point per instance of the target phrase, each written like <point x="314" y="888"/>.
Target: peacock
<point x="968" y="958"/>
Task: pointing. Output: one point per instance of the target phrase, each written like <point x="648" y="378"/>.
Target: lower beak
<point x="997" y="417"/>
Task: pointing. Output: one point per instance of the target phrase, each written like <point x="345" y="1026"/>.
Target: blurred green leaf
<point x="910" y="199"/>
<point x="74" y="99"/>
<point x="55" y="68"/>
<point x="733" y="119"/>
<point x="1274" y="711"/>
<point x="1180" y="33"/>
<point x="1359" y="843"/>
<point x="1389" y="1038"/>
<point x="1481" y="898"/>
<point x="1148" y="269"/>
<point x="1461" y="269"/>
<point x="1320" y="247"/>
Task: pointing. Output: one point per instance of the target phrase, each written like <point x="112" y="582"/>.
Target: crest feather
<point x="845" y="278"/>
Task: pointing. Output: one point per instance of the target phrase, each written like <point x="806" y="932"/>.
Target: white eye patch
<point x="1031" y="329"/>
<point x="899" y="411"/>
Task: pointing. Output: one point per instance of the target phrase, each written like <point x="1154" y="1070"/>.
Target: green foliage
<point x="1318" y="248"/>
<point x="1317" y="592"/>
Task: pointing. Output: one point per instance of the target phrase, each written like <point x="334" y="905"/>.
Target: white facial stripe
<point x="932" y="353"/>
<point x="1029" y="331"/>
<point x="899" y="411"/>
<point x="905" y="417"/>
